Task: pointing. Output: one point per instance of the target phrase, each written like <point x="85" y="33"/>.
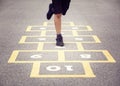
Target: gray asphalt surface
<point x="103" y="16"/>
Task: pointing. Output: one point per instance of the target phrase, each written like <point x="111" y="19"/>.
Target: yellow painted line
<point x="13" y="57"/>
<point x="72" y="24"/>
<point x="43" y="33"/>
<point x="89" y="28"/>
<point x="61" y="56"/>
<point x="63" y="24"/>
<point x="74" y="33"/>
<point x="35" y="69"/>
<point x="62" y="50"/>
<point x="29" y="62"/>
<point x="62" y="76"/>
<point x="40" y="46"/>
<point x="22" y="40"/>
<point x="53" y="42"/>
<point x="28" y="28"/>
<point x="88" y="69"/>
<point x="54" y="30"/>
<point x="109" y="57"/>
<point x="65" y="35"/>
<point x="80" y="46"/>
<point x="45" y="24"/>
<point x="96" y="39"/>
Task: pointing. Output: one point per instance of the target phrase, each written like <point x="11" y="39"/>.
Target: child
<point x="58" y="8"/>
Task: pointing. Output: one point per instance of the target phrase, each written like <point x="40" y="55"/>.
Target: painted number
<point x="79" y="39"/>
<point x="85" y="56"/>
<point x="36" y="56"/>
<point x="58" y="68"/>
<point x="41" y="39"/>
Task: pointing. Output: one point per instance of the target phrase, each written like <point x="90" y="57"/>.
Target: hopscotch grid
<point x="61" y="53"/>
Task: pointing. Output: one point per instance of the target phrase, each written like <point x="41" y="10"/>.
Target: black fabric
<point x="61" y="6"/>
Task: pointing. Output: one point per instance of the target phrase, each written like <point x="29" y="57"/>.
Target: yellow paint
<point x="96" y="39"/>
<point x="88" y="69"/>
<point x="13" y="57"/>
<point x="62" y="50"/>
<point x="45" y="24"/>
<point x="40" y="46"/>
<point x="54" y="42"/>
<point x="109" y="57"/>
<point x="28" y="28"/>
<point x="22" y="40"/>
<point x="89" y="28"/>
<point x="72" y="24"/>
<point x="74" y="33"/>
<point x="61" y="56"/>
<point x="72" y="61"/>
<point x="35" y="69"/>
<point x="54" y="29"/>
<point x="62" y="76"/>
<point x="43" y="33"/>
<point x="80" y="46"/>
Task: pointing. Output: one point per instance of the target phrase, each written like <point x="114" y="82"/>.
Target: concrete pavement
<point x="29" y="57"/>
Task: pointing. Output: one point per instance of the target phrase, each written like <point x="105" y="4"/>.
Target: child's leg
<point x="57" y="21"/>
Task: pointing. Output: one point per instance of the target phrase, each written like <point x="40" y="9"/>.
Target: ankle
<point x="59" y="35"/>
